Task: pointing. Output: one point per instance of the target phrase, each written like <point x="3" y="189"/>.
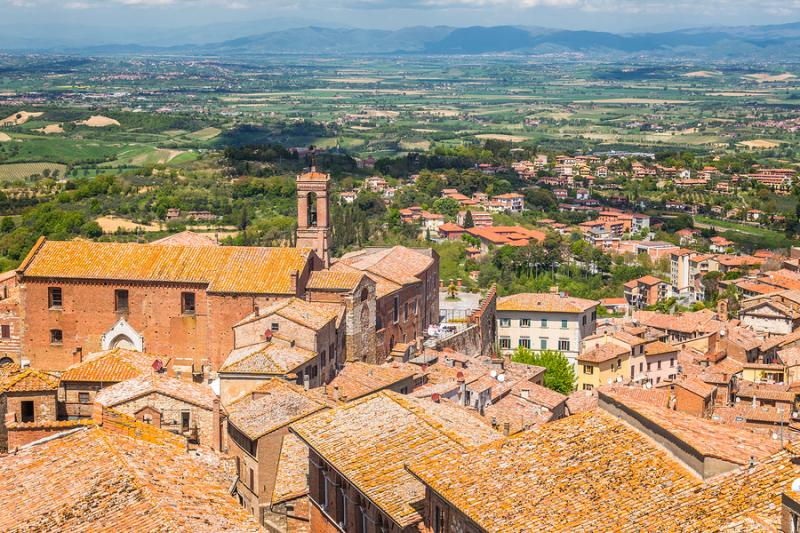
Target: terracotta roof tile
<point x="96" y="480"/>
<point x="335" y="281"/>
<point x="594" y="472"/>
<point x="544" y="302"/>
<point x="711" y="439"/>
<point x="370" y="440"/>
<point x="270" y="406"/>
<point x="197" y="394"/>
<point x="186" y="238"/>
<point x="267" y="358"/>
<point x="111" y="366"/>
<point x="291" y="479"/>
<point x="359" y="379"/>
<point x="28" y="380"/>
<point x="603" y="353"/>
<point x="224" y="269"/>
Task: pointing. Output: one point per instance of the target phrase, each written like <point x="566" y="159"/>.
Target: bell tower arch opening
<point x="313" y="214"/>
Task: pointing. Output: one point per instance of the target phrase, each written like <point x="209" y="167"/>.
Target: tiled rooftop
<point x="329" y="280"/>
<point x="291" y="479"/>
<point x="594" y="472"/>
<point x="603" y="353"/>
<point x="111" y="366"/>
<point x="268" y="358"/>
<point x="270" y="406"/>
<point x="28" y="380"/>
<point x="544" y="302"/>
<point x="93" y="480"/>
<point x="311" y="315"/>
<point x="197" y="394"/>
<point x="710" y="439"/>
<point x="370" y="440"/>
<point x="358" y="379"/>
<point x="186" y="238"/>
<point x="224" y="269"/>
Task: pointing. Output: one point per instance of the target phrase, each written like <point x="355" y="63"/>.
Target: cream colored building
<point x="545" y="321"/>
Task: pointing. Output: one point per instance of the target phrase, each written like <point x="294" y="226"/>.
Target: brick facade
<point x="154" y="311"/>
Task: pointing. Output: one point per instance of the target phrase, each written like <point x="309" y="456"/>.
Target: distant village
<point x="184" y="385"/>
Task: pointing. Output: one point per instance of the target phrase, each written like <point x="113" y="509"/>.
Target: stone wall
<point x="22" y="433"/>
<point x="170" y="414"/>
<point x="479" y="337"/>
<point x="123" y="424"/>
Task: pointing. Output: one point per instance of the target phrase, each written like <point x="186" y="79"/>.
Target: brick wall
<point x="20" y="434"/>
<point x="154" y="311"/>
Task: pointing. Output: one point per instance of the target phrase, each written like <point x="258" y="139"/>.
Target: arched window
<point x="311" y="200"/>
<point x="364" y="294"/>
<point x="5" y="361"/>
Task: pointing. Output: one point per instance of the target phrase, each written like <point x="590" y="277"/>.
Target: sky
<point x="605" y="15"/>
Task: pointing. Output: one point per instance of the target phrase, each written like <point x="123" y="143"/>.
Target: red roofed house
<point x="646" y="291"/>
<point x="505" y="235"/>
<point x="450" y="231"/>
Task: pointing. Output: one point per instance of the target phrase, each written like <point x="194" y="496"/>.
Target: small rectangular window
<point x="27" y="411"/>
<point x="396" y="310"/>
<point x="544" y="323"/>
<point x="505" y="322"/>
<point x="121" y="300"/>
<point x="5" y="331"/>
<point x="275" y="326"/>
<point x="542" y="344"/>
<point x="505" y="343"/>
<point x="525" y="342"/>
<point x="588" y="369"/>
<point x="54" y="298"/>
<point x="187" y="303"/>
<point x="563" y="345"/>
<point x="185" y="416"/>
<point x="563" y="324"/>
<point x="586" y="386"/>
<point x="524" y="323"/>
<point x="83" y="397"/>
<point x="56" y="336"/>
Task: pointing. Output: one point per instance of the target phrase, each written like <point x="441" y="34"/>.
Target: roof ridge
<point x="422" y="414"/>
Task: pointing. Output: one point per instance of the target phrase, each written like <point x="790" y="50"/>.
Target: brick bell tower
<point x="313" y="214"/>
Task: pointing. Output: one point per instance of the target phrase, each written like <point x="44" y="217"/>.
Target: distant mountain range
<point x="769" y="43"/>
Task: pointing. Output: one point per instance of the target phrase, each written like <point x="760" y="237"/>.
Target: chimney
<point x="436" y="397"/>
<point x="458" y="282"/>
<point x="293" y="281"/>
<point x="306" y="381"/>
<point x="216" y="430"/>
<point x="255" y="309"/>
<point x="506" y="429"/>
<point x="336" y="393"/>
<point x="525" y="393"/>
<point x="77" y="355"/>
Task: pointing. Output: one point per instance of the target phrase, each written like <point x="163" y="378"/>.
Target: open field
<point x="110" y="224"/>
<point x="20" y="171"/>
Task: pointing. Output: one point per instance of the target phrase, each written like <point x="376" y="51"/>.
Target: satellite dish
<point x="796" y="485"/>
<point x="493" y="373"/>
<point x="610" y="381"/>
<point x="648" y="385"/>
<point x="501" y="378"/>
<point x="619" y="379"/>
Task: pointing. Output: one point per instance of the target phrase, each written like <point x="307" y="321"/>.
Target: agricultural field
<point x="104" y="114"/>
<point x="22" y="171"/>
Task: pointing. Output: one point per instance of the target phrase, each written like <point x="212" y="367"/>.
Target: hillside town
<point x="180" y="384"/>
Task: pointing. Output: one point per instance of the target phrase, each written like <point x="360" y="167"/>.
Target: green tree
<point x="559" y="374"/>
<point x="446" y="206"/>
<point x="468" y="222"/>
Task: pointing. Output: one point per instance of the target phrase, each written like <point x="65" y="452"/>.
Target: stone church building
<point x="184" y="300"/>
